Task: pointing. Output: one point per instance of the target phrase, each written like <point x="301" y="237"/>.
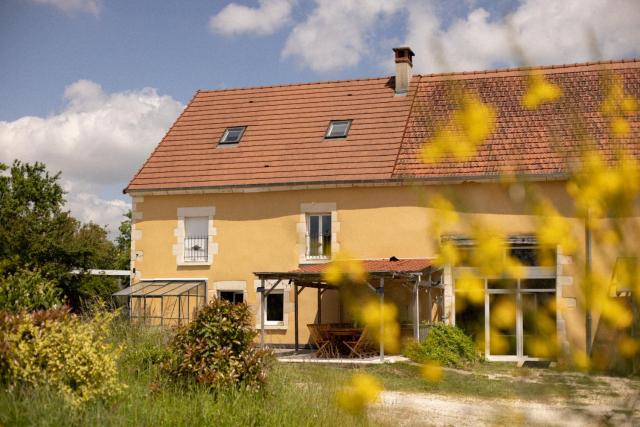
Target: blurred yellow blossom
<point x="503" y="313"/>
<point x="448" y="254"/>
<point x="539" y="91"/>
<point x="581" y="360"/>
<point x="362" y="391"/>
<point x="617" y="106"/>
<point x="469" y="286"/>
<point x="620" y="127"/>
<point x="431" y="371"/>
<point x="343" y="268"/>
<point x="469" y="126"/>
<point x="628" y="347"/>
<point x="615" y="313"/>
<point x="373" y="314"/>
<point x="552" y="231"/>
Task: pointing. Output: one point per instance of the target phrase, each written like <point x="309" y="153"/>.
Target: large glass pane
<point x="538" y="284"/>
<point x="275" y="307"/>
<point x="502" y="316"/>
<point x="470" y="316"/>
<point x="539" y="324"/>
<point x="527" y="255"/>
<point x="502" y="284"/>
<point x="326" y="235"/>
<point x="314" y="235"/>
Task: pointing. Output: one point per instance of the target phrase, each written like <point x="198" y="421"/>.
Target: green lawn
<point x="296" y="394"/>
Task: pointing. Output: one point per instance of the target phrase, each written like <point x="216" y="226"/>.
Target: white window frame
<point x="180" y="234"/>
<point x="235" y="292"/>
<point x="268" y="322"/>
<point x="322" y="217"/>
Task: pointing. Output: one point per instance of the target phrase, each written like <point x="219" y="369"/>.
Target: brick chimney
<point x="404" y="67"/>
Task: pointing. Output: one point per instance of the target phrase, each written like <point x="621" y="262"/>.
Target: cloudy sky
<point x="90" y="86"/>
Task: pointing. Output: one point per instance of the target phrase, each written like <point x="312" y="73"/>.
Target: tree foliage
<point x="36" y="232"/>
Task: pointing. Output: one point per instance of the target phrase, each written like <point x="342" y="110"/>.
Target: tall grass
<point x="154" y="400"/>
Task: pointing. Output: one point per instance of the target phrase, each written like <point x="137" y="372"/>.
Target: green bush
<point x="58" y="350"/>
<point x="445" y="344"/>
<point x="28" y="290"/>
<point x="217" y="349"/>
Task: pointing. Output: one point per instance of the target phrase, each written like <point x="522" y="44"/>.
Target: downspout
<point x="588" y="271"/>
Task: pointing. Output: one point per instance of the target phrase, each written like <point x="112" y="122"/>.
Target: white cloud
<point x="98" y="141"/>
<point x="267" y="18"/>
<point x="72" y="6"/>
<point x="548" y="31"/>
<point x="336" y="36"/>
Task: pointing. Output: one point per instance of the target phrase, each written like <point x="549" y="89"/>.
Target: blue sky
<point x="90" y="86"/>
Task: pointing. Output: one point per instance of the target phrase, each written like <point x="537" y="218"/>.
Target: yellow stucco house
<point x="253" y="190"/>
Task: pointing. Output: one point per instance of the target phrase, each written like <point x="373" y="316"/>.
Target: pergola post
<point x="262" y="298"/>
<point x="319" y="305"/>
<point x="295" y="312"/>
<point x="381" y="292"/>
<point x="416" y="313"/>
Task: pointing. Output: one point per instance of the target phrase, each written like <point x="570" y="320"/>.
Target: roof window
<point x="338" y="129"/>
<point x="232" y="135"/>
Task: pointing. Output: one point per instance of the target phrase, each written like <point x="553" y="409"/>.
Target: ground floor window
<point x="512" y="319"/>
<point x="236" y="297"/>
<point x="275" y="308"/>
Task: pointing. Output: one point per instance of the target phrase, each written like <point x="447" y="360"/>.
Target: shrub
<point x="445" y="344"/>
<point x="28" y="290"/>
<point x="217" y="349"/>
<point x="58" y="350"/>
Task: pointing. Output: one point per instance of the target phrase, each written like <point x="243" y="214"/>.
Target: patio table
<point x="340" y="334"/>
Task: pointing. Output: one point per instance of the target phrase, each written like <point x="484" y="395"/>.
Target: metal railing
<point x="196" y="248"/>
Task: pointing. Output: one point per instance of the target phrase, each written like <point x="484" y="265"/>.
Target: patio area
<point x="414" y="281"/>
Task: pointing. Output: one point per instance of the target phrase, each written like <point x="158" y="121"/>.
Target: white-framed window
<point x="196" y="239"/>
<point x="232" y="135"/>
<point x="338" y="129"/>
<point x="236" y="297"/>
<point x="274" y="313"/>
<point x="319" y="235"/>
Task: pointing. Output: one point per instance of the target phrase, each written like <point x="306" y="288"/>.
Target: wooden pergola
<point x="311" y="276"/>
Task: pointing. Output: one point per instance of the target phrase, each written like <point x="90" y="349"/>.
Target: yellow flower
<point x="615" y="313"/>
<point x="373" y="314"/>
<point x="344" y="268"/>
<point x="470" y="287"/>
<point x="468" y="127"/>
<point x="540" y="91"/>
<point x="476" y="119"/>
<point x="361" y="392"/>
<point x="620" y="127"/>
<point x="431" y="371"/>
<point x="628" y="347"/>
<point x="448" y="254"/>
<point x="581" y="360"/>
<point x="552" y="231"/>
<point x="503" y="313"/>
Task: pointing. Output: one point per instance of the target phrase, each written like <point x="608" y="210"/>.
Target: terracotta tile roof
<point x="374" y="266"/>
<point x="284" y="140"/>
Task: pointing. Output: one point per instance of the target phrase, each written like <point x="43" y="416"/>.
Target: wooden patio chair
<point x="320" y="340"/>
<point x="362" y="347"/>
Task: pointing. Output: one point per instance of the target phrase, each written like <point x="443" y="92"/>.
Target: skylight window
<point x="232" y="135"/>
<point x="338" y="129"/>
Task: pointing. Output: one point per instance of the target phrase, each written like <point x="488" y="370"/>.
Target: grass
<point x="296" y="394"/>
<point x="151" y="400"/>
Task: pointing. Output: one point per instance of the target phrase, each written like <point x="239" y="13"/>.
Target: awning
<point x="159" y="288"/>
<point x="374" y="268"/>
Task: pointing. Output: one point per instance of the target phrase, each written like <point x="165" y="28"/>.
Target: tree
<point x="36" y="232"/>
<point x="123" y="243"/>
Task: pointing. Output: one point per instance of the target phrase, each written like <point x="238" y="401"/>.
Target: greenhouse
<point x="164" y="302"/>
